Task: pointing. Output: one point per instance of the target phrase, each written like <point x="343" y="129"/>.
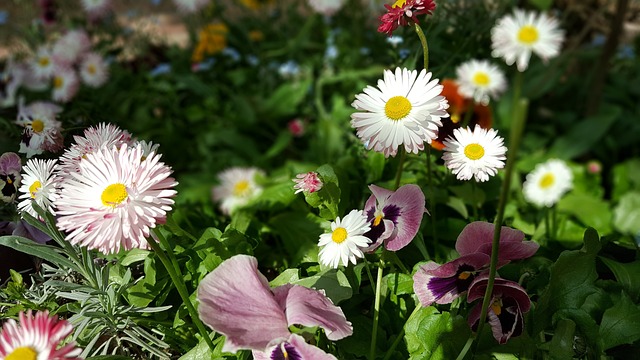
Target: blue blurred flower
<point x="626" y="52"/>
<point x="160" y="69"/>
<point x="331" y="52"/>
<point x="404" y="53"/>
<point x="395" y="40"/>
<point x="253" y="60"/>
<point x="156" y="2"/>
<point x="4" y="16"/>
<point x="598" y="40"/>
<point x="232" y="53"/>
<point x="205" y="65"/>
<point x="289" y="69"/>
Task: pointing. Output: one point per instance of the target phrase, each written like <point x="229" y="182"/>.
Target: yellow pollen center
<point x="547" y="180"/>
<point x="114" y="194"/>
<point x="496" y="306"/>
<point x="339" y="235"/>
<point x="22" y="353"/>
<point x="481" y="78"/>
<point x="399" y="3"/>
<point x="91" y="69"/>
<point x="377" y="220"/>
<point x="397" y="107"/>
<point x="43" y="61"/>
<point x="528" y="35"/>
<point x="474" y="151"/>
<point x="241" y="188"/>
<point x="37" y="125"/>
<point x="57" y="82"/>
<point x="464" y="275"/>
<point x="34" y="188"/>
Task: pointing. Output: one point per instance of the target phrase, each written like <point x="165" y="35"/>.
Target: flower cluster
<point x="441" y="284"/>
<point x="107" y="190"/>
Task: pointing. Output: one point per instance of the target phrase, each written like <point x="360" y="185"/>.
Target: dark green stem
<point x="376" y="310"/>
<point x="425" y="46"/>
<point x="178" y="281"/>
<point x="400" y="167"/>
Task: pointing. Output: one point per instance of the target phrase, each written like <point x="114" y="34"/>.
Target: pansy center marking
<point x="528" y="35"/>
<point x="397" y="108"/>
<point x="114" y="194"/>
<point x="474" y="151"/>
<point x="339" y="235"/>
<point x="464" y="275"/>
<point x="496" y="306"/>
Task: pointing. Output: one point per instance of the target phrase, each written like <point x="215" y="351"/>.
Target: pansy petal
<point x="309" y="307"/>
<point x="512" y="250"/>
<point x="380" y="193"/>
<point x="410" y="199"/>
<point x="478" y="233"/>
<point x="378" y="234"/>
<point x="296" y="348"/>
<point x="235" y="300"/>
<point x="501" y="287"/>
<point x="10" y="163"/>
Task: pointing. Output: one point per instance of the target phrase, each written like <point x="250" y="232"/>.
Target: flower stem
<point x="425" y="46"/>
<point x="178" y="281"/>
<point x="400" y="167"/>
<point x="517" y="126"/>
<point x="376" y="310"/>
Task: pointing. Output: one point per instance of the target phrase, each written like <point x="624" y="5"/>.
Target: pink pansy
<point x="10" y="168"/>
<point x="395" y="216"/>
<point x="236" y="301"/>
<point x="402" y="12"/>
<point x="441" y="284"/>
<point x="477" y="237"/>
<point x="308" y="182"/>
<point x="508" y="302"/>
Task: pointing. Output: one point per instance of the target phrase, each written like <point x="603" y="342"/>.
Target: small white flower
<point x="42" y="64"/>
<point x="478" y="153"/>
<point x="65" y="84"/>
<point x="516" y="36"/>
<point x="39" y="183"/>
<point x="237" y="187"/>
<point x="42" y="131"/>
<point x="480" y="80"/>
<point x="346" y="241"/>
<point x="326" y="7"/>
<point x="70" y="47"/>
<point x="405" y="109"/>
<point x="94" y="71"/>
<point x="546" y="184"/>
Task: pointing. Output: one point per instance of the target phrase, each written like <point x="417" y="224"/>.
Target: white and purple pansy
<point x="477" y="237"/>
<point x="395" y="216"/>
<point x="508" y="302"/>
<point x="10" y="167"/>
<point x="236" y="301"/>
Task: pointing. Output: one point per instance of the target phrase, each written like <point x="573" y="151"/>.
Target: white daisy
<point x="515" y="36"/>
<point x="102" y="136"/>
<point x="96" y="8"/>
<point x="237" y="187"/>
<point x="68" y="49"/>
<point x="480" y="80"/>
<point x="65" y="84"/>
<point x="39" y="183"/>
<point x="546" y="184"/>
<point x="326" y="7"/>
<point x="345" y="241"/>
<point x="115" y="199"/>
<point x="190" y="6"/>
<point x="406" y="108"/>
<point x="94" y="71"/>
<point x="42" y="64"/>
<point x="42" y="131"/>
<point x="148" y="147"/>
<point x="478" y="153"/>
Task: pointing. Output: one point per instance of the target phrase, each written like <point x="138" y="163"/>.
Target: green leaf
<point x="42" y="251"/>
<point x="585" y="134"/>
<point x="562" y="342"/>
<point x="333" y="282"/>
<point x="133" y="256"/>
<point x="431" y="335"/>
<point x="626" y="178"/>
<point x="298" y="232"/>
<point x="620" y="323"/>
<point x="590" y="211"/>
<point x="285" y="99"/>
<point x="626" y="215"/>
<point x="286" y="277"/>
<point x="541" y="4"/>
<point x="109" y="357"/>
<point x="458" y="205"/>
<point x="627" y="275"/>
<point x="330" y="192"/>
<point x="375" y="166"/>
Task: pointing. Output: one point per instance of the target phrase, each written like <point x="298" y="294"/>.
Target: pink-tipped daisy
<point x="115" y="199"/>
<point x="42" y="131"/>
<point x="71" y="46"/>
<point x="406" y="109"/>
<point x="38" y="337"/>
<point x="65" y="84"/>
<point x="102" y="136"/>
<point x="476" y="153"/>
<point x="309" y="182"/>
<point x="94" y="71"/>
<point x="39" y="183"/>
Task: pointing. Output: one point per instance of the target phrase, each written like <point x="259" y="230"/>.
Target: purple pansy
<point x="395" y="217"/>
<point x="478" y="236"/>
<point x="236" y="301"/>
<point x="441" y="284"/>
<point x="10" y="166"/>
<point x="508" y="302"/>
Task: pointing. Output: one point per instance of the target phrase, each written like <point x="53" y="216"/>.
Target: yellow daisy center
<point x="397" y="107"/>
<point x="528" y="34"/>
<point x="114" y="194"/>
<point x="547" y="180"/>
<point x="339" y="235"/>
<point x="91" y="69"/>
<point x="34" y="188"/>
<point x="399" y="3"/>
<point x="377" y="220"/>
<point x="37" y="125"/>
<point x="481" y="78"/>
<point x="496" y="306"/>
<point x="241" y="188"/>
<point x="57" y="82"/>
<point x="474" y="151"/>
<point x="43" y="61"/>
<point x="22" y="353"/>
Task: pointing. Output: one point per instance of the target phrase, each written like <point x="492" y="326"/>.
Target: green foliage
<point x="433" y="335"/>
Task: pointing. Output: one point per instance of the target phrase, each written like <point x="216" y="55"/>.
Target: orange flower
<point x="458" y="107"/>
<point x="211" y="40"/>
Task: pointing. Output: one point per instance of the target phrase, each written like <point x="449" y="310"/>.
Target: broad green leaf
<point x="627" y="275"/>
<point x="590" y="211"/>
<point x="626" y="215"/>
<point x="541" y="4"/>
<point x="562" y="342"/>
<point x="333" y="282"/>
<point x="626" y="177"/>
<point x="330" y="192"/>
<point x="285" y="99"/>
<point x="286" y="277"/>
<point x="375" y="165"/>
<point x="620" y="323"/>
<point x="42" y="251"/>
<point x="399" y="283"/>
<point x="133" y="256"/>
<point x="109" y="357"/>
<point x="431" y="335"/>
<point x="588" y="329"/>
<point x="458" y="205"/>
<point x="299" y="233"/>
